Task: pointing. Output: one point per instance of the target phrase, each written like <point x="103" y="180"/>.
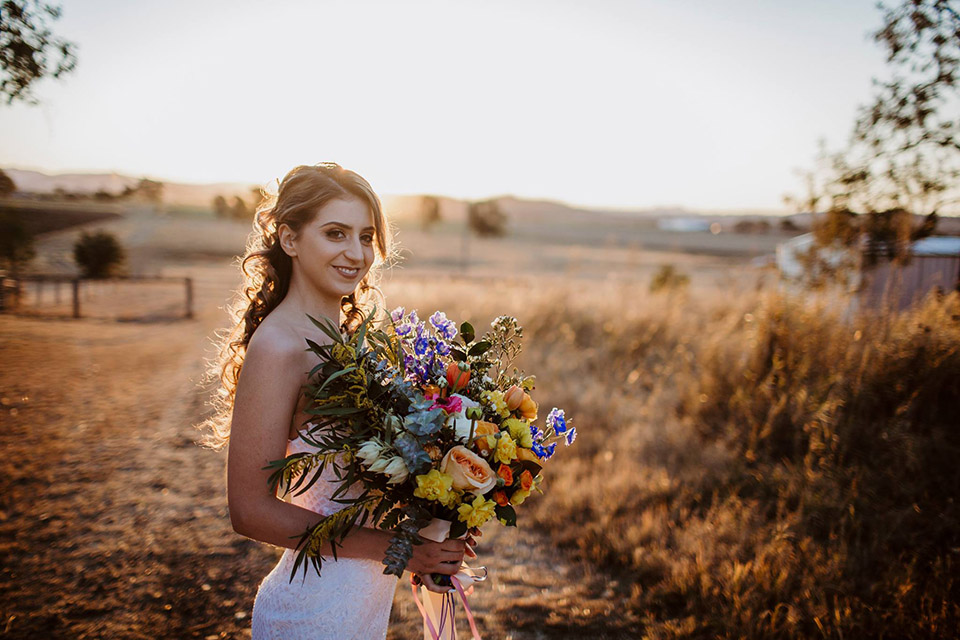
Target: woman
<point x="315" y="250"/>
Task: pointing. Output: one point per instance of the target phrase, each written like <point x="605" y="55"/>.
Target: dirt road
<point x="113" y="521"/>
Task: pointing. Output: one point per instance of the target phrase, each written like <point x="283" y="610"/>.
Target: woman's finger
<point x="433" y="586"/>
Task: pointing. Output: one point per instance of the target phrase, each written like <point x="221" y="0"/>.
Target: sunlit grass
<point x="749" y="464"/>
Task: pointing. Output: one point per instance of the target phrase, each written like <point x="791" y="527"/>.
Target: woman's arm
<point x="268" y="389"/>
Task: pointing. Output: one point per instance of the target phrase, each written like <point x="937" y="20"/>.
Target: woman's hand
<point x="423" y="577"/>
<point x="437" y="557"/>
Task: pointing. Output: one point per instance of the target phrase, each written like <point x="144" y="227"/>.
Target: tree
<point x="16" y="242"/>
<point x="220" y="207"/>
<point x="486" y="218"/>
<point x="7" y="186"/>
<point x="240" y="210"/>
<point x="903" y="158"/>
<point x="29" y="50"/>
<point x="98" y="254"/>
<point x="429" y="211"/>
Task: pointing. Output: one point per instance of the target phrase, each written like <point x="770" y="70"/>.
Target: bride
<point x="315" y="250"/>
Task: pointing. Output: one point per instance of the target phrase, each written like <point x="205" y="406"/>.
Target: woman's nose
<point x="353" y="250"/>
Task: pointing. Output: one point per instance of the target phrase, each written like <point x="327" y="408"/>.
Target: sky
<point x="700" y="104"/>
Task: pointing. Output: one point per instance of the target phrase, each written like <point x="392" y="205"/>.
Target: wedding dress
<point x="351" y="600"/>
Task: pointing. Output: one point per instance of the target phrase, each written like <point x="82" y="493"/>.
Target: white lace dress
<point x="350" y="601"/>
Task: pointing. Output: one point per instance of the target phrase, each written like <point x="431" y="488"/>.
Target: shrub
<point x="16" y="242"/>
<point x="98" y="254"/>
<point x="668" y="278"/>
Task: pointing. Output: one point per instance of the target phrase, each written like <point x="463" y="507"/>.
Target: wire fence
<point x="134" y="298"/>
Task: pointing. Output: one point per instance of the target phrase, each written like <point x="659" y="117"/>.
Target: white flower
<point x="369" y="451"/>
<point x="461" y="424"/>
<point x="380" y="465"/>
<point x="397" y="470"/>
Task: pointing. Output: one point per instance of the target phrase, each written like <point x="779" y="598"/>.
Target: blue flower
<point x="397" y="314"/>
<point x="536" y="433"/>
<point x="538" y="450"/>
<point x="571" y="436"/>
<point x="557" y="420"/>
<point x="421" y="345"/>
<point x="404" y="329"/>
<point x="443" y="348"/>
<point x="549" y="450"/>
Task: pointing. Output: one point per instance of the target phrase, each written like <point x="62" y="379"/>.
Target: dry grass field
<point x="748" y="465"/>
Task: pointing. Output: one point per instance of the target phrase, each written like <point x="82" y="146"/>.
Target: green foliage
<point x="429" y="212"/>
<point x="29" y="50"/>
<point x="98" y="254"/>
<point x="16" y="242"/>
<point x="487" y="219"/>
<point x="7" y="185"/>
<point x="667" y="278"/>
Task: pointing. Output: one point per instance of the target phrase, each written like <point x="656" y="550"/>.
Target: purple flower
<point x="413" y="317"/>
<point x="549" y="450"/>
<point x="404" y="329"/>
<point x="571" y="435"/>
<point x="443" y="348"/>
<point x="397" y="314"/>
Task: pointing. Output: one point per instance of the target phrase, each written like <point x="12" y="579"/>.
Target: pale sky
<point x="702" y="104"/>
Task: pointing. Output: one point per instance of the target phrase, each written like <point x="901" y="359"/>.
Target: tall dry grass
<point x="749" y="465"/>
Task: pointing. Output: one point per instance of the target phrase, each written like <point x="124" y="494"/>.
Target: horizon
<point x="616" y="106"/>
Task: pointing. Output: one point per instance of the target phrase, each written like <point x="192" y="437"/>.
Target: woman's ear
<point x="286" y="236"/>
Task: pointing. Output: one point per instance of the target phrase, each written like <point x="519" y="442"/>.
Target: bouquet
<point x="430" y="423"/>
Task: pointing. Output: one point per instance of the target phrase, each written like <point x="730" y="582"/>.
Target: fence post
<point x="76" y="297"/>
<point x="188" y="282"/>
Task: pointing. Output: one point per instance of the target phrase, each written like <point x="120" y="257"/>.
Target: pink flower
<point x="450" y="405"/>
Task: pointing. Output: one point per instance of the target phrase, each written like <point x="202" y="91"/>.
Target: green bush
<point x="668" y="278"/>
<point x="98" y="254"/>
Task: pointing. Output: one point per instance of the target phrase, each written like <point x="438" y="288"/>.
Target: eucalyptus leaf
<point x="413" y="455"/>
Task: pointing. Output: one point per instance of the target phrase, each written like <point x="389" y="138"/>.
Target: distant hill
<point x="175" y="193"/>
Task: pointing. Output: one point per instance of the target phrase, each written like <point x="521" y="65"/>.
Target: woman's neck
<point x="302" y="300"/>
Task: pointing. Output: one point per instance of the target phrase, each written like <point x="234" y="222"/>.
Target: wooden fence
<point x="122" y="298"/>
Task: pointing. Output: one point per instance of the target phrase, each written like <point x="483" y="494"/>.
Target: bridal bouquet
<point x="421" y="422"/>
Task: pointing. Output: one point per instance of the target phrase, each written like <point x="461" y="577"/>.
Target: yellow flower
<point x="495" y="400"/>
<point x="520" y="432"/>
<point x="519" y="496"/>
<point x="477" y="512"/>
<point x="506" y="449"/>
<point x="434" y="486"/>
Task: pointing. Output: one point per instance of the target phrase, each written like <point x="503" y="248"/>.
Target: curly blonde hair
<point x="266" y="271"/>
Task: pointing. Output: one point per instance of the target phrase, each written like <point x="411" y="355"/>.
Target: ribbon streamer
<point x="439" y="608"/>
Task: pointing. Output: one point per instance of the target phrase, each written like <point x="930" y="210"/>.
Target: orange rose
<point x="431" y="392"/>
<point x="528" y="408"/>
<point x="513" y="397"/>
<point x="500" y="498"/>
<point x="457" y="378"/>
<point x="506" y="473"/>
<point x="528" y="455"/>
<point x="469" y="471"/>
<point x="526" y="480"/>
<point x="481" y="432"/>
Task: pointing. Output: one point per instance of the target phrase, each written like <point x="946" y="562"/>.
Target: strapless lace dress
<point x="350" y="601"/>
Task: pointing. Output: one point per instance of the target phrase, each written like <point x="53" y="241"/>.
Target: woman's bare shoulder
<point x="277" y="337"/>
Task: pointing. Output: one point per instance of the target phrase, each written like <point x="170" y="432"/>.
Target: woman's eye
<point x="366" y="238"/>
<point x="335" y="233"/>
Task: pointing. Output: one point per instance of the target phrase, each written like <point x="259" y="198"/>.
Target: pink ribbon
<point x="447" y="600"/>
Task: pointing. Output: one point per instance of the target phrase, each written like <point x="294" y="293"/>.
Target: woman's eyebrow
<point x="345" y="225"/>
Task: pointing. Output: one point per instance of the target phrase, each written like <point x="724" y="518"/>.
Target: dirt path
<point x="113" y="521"/>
